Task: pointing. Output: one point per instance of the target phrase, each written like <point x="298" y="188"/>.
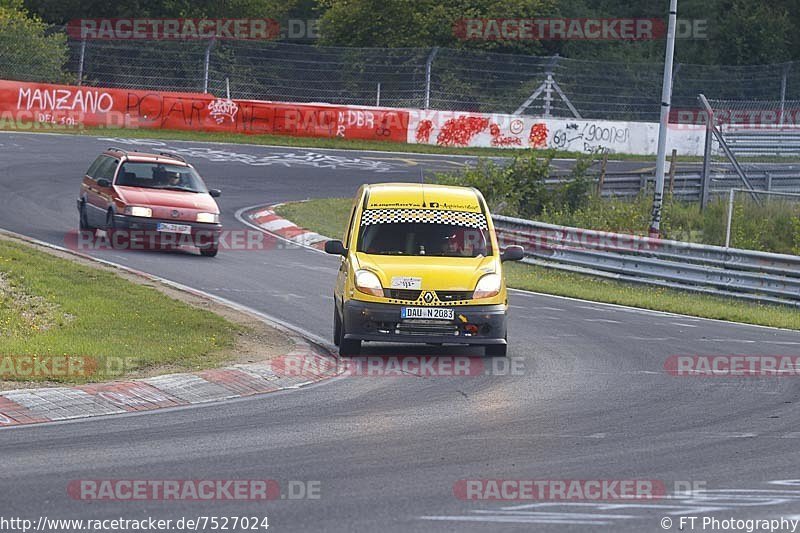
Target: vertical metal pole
<point x="227" y="88"/>
<point x="378" y="97"/>
<point x="666" y="100"/>
<point x="206" y="63"/>
<point x="548" y="95"/>
<point x="783" y="91"/>
<point x="705" y="178"/>
<point x="80" y="61"/>
<point x="730" y="218"/>
<point x="673" y="163"/>
<point x="428" y="65"/>
<point x="601" y="180"/>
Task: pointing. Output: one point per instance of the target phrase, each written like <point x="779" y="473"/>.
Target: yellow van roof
<point x="419" y="196"/>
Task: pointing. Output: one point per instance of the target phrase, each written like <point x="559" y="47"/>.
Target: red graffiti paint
<point x="26" y="105"/>
<point x="460" y="131"/>
<point x="498" y="139"/>
<point x="424" y="131"/>
<point x="538" y="136"/>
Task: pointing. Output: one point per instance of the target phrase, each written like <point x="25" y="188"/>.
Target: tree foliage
<point x="407" y="23"/>
<point x="739" y="31"/>
<point x="62" y="11"/>
<point x="27" y="52"/>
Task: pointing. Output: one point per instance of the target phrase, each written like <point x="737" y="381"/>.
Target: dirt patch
<point x="35" y="312"/>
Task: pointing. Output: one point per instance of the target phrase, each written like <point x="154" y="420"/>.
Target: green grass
<point x="329" y="217"/>
<point x="52" y="307"/>
<point x="309" y="142"/>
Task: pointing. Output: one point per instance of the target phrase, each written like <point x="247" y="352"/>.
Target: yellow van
<point x="420" y="264"/>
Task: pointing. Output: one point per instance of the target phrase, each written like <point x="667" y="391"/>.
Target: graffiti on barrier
<point x="590" y="137"/>
<point x="47" y="104"/>
<point x="498" y="139"/>
<point x="538" y="136"/>
<point x="223" y="108"/>
<point x="460" y="131"/>
<point x="83" y="101"/>
<point x="540" y="133"/>
<point x="424" y="130"/>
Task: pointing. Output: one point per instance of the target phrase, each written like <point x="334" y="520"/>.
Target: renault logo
<point x="428" y="297"/>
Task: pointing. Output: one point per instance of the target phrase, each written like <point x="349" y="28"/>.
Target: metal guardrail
<point x="688" y="185"/>
<point x="752" y="143"/>
<point x="731" y="272"/>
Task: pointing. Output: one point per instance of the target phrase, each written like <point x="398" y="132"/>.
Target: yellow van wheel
<point x="347" y="347"/>
<point x="337" y="326"/>
<point x="496" y="350"/>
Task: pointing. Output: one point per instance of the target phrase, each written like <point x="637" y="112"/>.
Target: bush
<point x="520" y="188"/>
<point x="27" y="53"/>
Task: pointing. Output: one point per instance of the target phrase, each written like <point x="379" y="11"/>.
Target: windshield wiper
<point x="174" y="188"/>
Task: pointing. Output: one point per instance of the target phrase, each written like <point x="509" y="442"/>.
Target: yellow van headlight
<point x="488" y="286"/>
<point x="368" y="283"/>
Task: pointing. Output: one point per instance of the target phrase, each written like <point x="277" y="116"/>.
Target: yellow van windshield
<point x="424" y="232"/>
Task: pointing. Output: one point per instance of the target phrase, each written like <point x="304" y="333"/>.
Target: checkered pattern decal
<point x="428" y="216"/>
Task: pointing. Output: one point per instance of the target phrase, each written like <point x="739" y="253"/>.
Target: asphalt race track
<point x="593" y="401"/>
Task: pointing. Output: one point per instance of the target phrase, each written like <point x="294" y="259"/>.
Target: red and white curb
<point x="30" y="406"/>
<point x="267" y="220"/>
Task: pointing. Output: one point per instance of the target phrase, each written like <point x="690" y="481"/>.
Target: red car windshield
<point x="160" y="176"/>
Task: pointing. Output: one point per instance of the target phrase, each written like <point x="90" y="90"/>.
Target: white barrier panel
<point x="448" y="128"/>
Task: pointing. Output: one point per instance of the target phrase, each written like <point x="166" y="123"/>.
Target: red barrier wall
<point x="28" y="104"/>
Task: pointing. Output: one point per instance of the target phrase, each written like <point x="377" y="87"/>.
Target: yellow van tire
<point x="496" y="350"/>
<point x="337" y="326"/>
<point x="347" y="347"/>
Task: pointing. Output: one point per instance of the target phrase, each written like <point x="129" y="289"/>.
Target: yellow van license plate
<point x="430" y="313"/>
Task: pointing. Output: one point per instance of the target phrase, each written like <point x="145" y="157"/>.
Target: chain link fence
<point x="445" y="79"/>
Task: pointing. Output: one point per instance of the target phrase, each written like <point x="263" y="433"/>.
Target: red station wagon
<point x="159" y="199"/>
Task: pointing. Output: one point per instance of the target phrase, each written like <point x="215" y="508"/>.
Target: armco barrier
<point x="447" y="128"/>
<point x="28" y="105"/>
<point x="744" y="274"/>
